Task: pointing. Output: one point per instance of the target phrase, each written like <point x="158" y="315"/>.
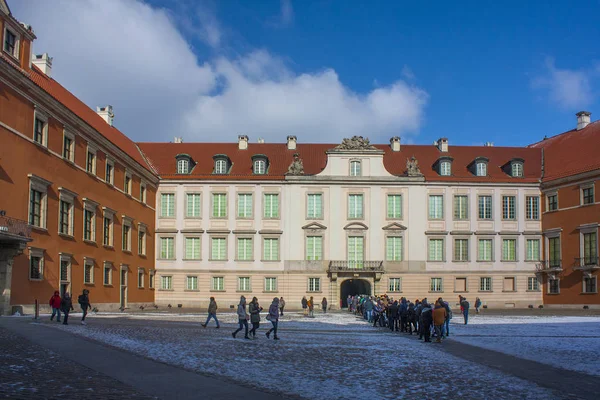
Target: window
<point x="589" y="285"/>
<point x="517" y="169"/>
<point x="107" y="274"/>
<point x="461" y="250"/>
<point x="509" y="285"/>
<point x="554" y="252"/>
<point x="218" y="283"/>
<point x="107" y="231"/>
<point x="356" y="254"/>
<point x="485" y="207"/>
<point x="394" y="206"/>
<point x="151" y="279"/>
<point x="10" y="43"/>
<point x="436" y="249"/>
<point x="436" y="285"/>
<point x="271" y="249"/>
<point x="141" y="240"/>
<point x="166" y="282"/>
<point x="485" y="284"/>
<point x="260" y="167"/>
<point x="193" y="209"/>
<point x="167" y="205"/>
<point x="167" y="248"/>
<point x="460" y="285"/>
<point x="588" y="195"/>
<point x="552" y="202"/>
<point x="140" y="280"/>
<point x="143" y="192"/>
<point x="436" y="207"/>
<point x="191" y="283"/>
<point x="244" y="249"/>
<point x="183" y="166"/>
<point x="110" y="172"/>
<point x="461" y="207"/>
<point x="221" y="167"/>
<point x="90" y="165"/>
<point x="39" y="131"/>
<point x="35" y="208"/>
<point x="89" y="219"/>
<point x="36" y="266"/>
<point x="127" y="184"/>
<point x="532" y="207"/>
<point x="485" y="250"/>
<point x="271" y="206"/>
<point x="88" y="272"/>
<point x="270" y="284"/>
<point x="244" y="283"/>
<point x="65" y="225"/>
<point x="481" y="169"/>
<point x="314" y="248"/>
<point x="395" y="285"/>
<point x="533" y="284"/>
<point x="590" y="249"/>
<point x="509" y="250"/>
<point x="533" y="250"/>
<point x="68" y="147"/>
<point x="553" y="286"/>
<point x="126" y="242"/>
<point x="314" y="284"/>
<point x="219" y="206"/>
<point x="445" y="168"/>
<point x="244" y="208"/>
<point x="314" y="206"/>
<point x="508" y="207"/>
<point x="355" y="168"/>
<point x="355" y="206"/>
<point x="192" y="248"/>
<point x="218" y="249"/>
<point x="393" y="248"/>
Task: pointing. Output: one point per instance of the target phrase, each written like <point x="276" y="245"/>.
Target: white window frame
<point x="170" y="251"/>
<point x="220" y="166"/>
<point x="515" y="240"/>
<point x="191" y="283"/>
<point x="397" y="255"/>
<point x="310" y="254"/>
<point x="483" y="208"/>
<point x="507" y="207"/>
<point x="14" y="32"/>
<point x="433" y="288"/>
<point x="193" y="199"/>
<point x="314" y="285"/>
<point x="128" y="189"/>
<point x="127" y="222"/>
<point x="222" y="212"/>
<point x="170" y="211"/>
<point x="311" y="197"/>
<point x="516" y="169"/>
<point x="68" y="197"/>
<point x="183" y="166"/>
<point x="245" y="200"/>
<point x="434" y="213"/>
<point x="259" y="167"/>
<point x="487" y="279"/>
<point x="107" y="213"/>
<point x="71" y="137"/>
<point x="196" y="254"/>
<point x="36" y="253"/>
<point x="539" y="247"/>
<point x="90" y="206"/>
<point x="461" y="256"/>
<point x="107" y="266"/>
<point x="353" y="213"/>
<point x="141" y="273"/>
<point x="586" y="187"/>
<point x="459" y="207"/>
<point x="272" y="286"/>
<point x="445" y="168"/>
<point x="166" y="282"/>
<point x="89" y="263"/>
<point x="491" y="255"/>
<point x="39" y="185"/>
<point x="143" y="192"/>
<point x="533" y="287"/>
<point x="37" y="114"/>
<point x="239" y="255"/>
<point x="355" y="168"/>
<point x="109" y="177"/>
<point x="592" y="279"/>
<point x="243" y="287"/>
<point x="395" y="284"/>
<point x="94" y="153"/>
<point x="225" y="250"/>
<point x="271" y="214"/>
<point x="217" y="283"/>
<point x="392" y="212"/>
<point x="142" y="230"/>
<point x="443" y="246"/>
<point x="271" y="256"/>
<point x="481" y="168"/>
<point x="532" y="208"/>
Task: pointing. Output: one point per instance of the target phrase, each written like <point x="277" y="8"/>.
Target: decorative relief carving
<point x="412" y="167"/>
<point x="355" y="143"/>
<point x="296" y="167"/>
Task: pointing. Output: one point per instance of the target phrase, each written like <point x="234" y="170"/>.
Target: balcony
<point x="587" y="265"/>
<point x="356" y="266"/>
<point x="550" y="267"/>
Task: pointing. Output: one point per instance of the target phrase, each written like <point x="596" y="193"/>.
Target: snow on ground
<point x="566" y="342"/>
<point x="333" y="356"/>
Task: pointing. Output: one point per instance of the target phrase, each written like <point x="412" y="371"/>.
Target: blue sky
<point x="506" y="72"/>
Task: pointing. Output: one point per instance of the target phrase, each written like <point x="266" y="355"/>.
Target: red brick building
<point x="571" y="215"/>
<point x="83" y="186"/>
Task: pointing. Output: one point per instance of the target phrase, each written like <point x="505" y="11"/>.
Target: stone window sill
<point x="215" y="290"/>
<point x="533" y="291"/>
<point x="485" y="291"/>
<point x="192" y="259"/>
<point x="166" y="290"/>
<point x="89" y="284"/>
<point x="509" y="291"/>
<point x="66" y="236"/>
<point x="191" y="290"/>
<point x="89" y="241"/>
<point x="39" y="229"/>
<point x="588" y="293"/>
<point x="109" y="285"/>
<point x="106" y="246"/>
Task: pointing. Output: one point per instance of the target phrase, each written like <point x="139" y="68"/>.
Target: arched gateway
<point x="352" y="287"/>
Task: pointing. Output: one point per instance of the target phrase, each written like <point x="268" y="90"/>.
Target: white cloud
<point x="130" y="55"/>
<point x="566" y="88"/>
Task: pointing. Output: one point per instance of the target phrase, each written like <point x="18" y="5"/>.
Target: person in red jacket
<point x="55" y="304"/>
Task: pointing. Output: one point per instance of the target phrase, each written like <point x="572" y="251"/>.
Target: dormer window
<point x="481" y="164"/>
<point x="355" y="168"/>
<point x="259" y="164"/>
<point x="184" y="163"/>
<point x="516" y="167"/>
<point x="11" y="44"/>
<point x="221" y="164"/>
<point x="445" y="166"/>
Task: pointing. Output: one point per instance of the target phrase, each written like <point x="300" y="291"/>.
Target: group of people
<point x="308" y="306"/>
<point x="421" y="317"/>
<point x="65" y="304"/>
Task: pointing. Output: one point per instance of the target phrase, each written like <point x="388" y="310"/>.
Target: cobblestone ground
<point x="28" y="371"/>
<point x="330" y="357"/>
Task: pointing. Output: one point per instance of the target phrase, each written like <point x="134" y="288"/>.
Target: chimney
<point x="489" y="144"/>
<point x="442" y="145"/>
<point x="291" y="142"/>
<point x="177" y="139"/>
<point x="583" y="119"/>
<point x="106" y="113"/>
<point x="260" y="140"/>
<point x="243" y="142"/>
<point x="395" y="143"/>
<point x="44" y="63"/>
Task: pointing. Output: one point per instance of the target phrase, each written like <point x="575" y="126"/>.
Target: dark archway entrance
<point x="352" y="287"/>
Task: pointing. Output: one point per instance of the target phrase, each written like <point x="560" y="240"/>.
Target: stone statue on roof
<point x="355" y="143"/>
<point x="412" y="167"/>
<point x="296" y="167"/>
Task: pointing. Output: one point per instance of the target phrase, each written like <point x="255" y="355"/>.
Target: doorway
<point x="353" y="287"/>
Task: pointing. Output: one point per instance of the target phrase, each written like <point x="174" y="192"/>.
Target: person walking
<point x="55" y="304"/>
<point x="273" y="316"/>
<point x="305" y="305"/>
<point x="281" y="306"/>
<point x="66" y="304"/>
<point x="439" y="319"/>
<point x="212" y="313"/>
<point x="311" y="307"/>
<point x="464" y="304"/>
<point x="324" y="305"/>
<point x="254" y="308"/>
<point x="84" y="302"/>
<point x="477" y="305"/>
<point x="242" y="318"/>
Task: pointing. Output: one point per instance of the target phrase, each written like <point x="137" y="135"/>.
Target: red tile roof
<point x="572" y="152"/>
<point x="162" y="157"/>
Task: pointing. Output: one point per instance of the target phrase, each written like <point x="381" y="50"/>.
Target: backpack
<point x="81" y="299"/>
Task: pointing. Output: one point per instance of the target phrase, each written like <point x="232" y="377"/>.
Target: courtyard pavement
<point x="333" y="356"/>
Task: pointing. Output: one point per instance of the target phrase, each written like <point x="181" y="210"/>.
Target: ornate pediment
<point x="356" y="226"/>
<point x="394" y="226"/>
<point x="355" y="143"/>
<point x="314" y="226"/>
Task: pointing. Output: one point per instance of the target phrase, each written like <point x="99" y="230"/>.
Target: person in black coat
<point x="427" y="317"/>
<point x="84" y="302"/>
<point x="66" y="305"/>
<point x="411" y="317"/>
<point x="394" y="316"/>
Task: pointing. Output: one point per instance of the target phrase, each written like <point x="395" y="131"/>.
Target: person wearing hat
<point x="55" y="304"/>
<point x="84" y="302"/>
